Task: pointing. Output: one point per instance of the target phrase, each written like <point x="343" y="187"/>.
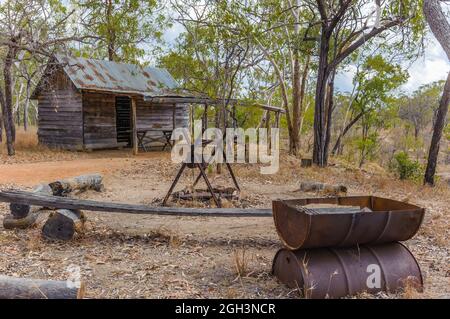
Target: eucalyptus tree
<point x="275" y="31"/>
<point x="440" y="27"/>
<point x="344" y="27"/>
<point x="419" y="109"/>
<point x="211" y="55"/>
<point x="124" y="30"/>
<point x="28" y="28"/>
<point x="375" y="83"/>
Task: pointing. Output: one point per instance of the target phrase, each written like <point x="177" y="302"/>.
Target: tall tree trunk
<point x="111" y="33"/>
<point x="8" y="119"/>
<point x="319" y="110"/>
<point x="294" y="139"/>
<point x="26" y="106"/>
<point x="441" y="30"/>
<point x="1" y="123"/>
<point x="437" y="134"/>
<point x="329" y="112"/>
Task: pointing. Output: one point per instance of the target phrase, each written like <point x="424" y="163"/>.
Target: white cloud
<point x="433" y="66"/>
<point x="170" y="35"/>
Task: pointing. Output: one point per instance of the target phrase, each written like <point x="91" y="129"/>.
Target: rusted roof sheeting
<point x="90" y="74"/>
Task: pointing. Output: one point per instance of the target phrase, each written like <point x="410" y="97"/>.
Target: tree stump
<point x="79" y="183"/>
<point x="20" y="211"/>
<point x="63" y="224"/>
<point x="306" y="162"/>
<point x="21" y="288"/>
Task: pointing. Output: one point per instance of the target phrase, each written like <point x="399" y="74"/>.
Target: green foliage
<point x="406" y="168"/>
<point x="124" y="28"/>
<point x="367" y="147"/>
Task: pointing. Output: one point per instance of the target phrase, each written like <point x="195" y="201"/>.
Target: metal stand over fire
<point x="201" y="166"/>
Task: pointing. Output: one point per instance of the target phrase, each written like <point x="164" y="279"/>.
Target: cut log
<point x="79" y="183"/>
<point x="306" y="162"/>
<point x="21" y="288"/>
<point x="62" y="224"/>
<point x="21" y="211"/>
<point x="10" y="222"/>
<point x="322" y="187"/>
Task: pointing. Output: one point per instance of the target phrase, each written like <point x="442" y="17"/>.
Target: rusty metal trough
<point x="338" y="272"/>
<point x="363" y="220"/>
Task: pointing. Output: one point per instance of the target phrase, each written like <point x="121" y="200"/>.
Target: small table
<point x="142" y="134"/>
<point x="168" y="135"/>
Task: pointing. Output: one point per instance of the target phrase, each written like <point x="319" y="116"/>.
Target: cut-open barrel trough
<point x="378" y="220"/>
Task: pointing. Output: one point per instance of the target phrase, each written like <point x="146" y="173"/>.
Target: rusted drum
<point x="335" y="273"/>
<point x="374" y="221"/>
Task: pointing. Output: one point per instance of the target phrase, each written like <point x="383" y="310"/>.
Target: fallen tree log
<point x="21" y="288"/>
<point x="79" y="183"/>
<point x="10" y="222"/>
<point x="62" y="224"/>
<point x="21" y="211"/>
<point x="322" y="187"/>
<point x="71" y="204"/>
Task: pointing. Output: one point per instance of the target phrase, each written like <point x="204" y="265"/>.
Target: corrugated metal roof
<point x="91" y="74"/>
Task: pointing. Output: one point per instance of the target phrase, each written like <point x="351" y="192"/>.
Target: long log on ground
<point x="10" y="222"/>
<point x="78" y="204"/>
<point x="21" y="211"/>
<point x="79" y="183"/>
<point x="62" y="224"/>
<point x="317" y="186"/>
<point x="20" y="288"/>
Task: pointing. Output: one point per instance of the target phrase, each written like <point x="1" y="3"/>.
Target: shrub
<point x="407" y="168"/>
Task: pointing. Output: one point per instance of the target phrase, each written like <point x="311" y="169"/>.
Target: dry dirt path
<point x="29" y="174"/>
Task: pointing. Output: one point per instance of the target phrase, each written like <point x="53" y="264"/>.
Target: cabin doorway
<point x="124" y="124"/>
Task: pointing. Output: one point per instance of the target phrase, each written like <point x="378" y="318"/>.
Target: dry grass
<point x="26" y="141"/>
<point x="28" y="149"/>
<point x="241" y="263"/>
<point x="411" y="289"/>
<point x="132" y="256"/>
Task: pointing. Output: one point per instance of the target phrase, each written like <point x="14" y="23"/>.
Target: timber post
<point x="134" y="122"/>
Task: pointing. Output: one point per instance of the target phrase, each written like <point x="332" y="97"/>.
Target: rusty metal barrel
<point x="338" y="272"/>
<point x="374" y="221"/>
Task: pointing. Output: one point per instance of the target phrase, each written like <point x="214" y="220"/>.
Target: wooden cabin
<point x="86" y="104"/>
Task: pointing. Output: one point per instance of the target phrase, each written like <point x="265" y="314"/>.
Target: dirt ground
<point x="133" y="256"/>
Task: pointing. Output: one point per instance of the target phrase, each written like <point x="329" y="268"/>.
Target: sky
<point x="432" y="66"/>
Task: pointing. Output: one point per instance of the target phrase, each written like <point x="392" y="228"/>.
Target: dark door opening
<point x="123" y="121"/>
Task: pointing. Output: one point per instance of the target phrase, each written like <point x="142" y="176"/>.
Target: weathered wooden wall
<point x="59" y="114"/>
<point x="99" y="113"/>
<point x="72" y="120"/>
<point x="159" y="117"/>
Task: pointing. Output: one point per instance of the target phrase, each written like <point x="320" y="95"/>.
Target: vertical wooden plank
<point x="205" y="118"/>
<point x="192" y="120"/>
<point x="268" y="128"/>
<point x="133" y="120"/>
<point x="174" y="113"/>
<point x="82" y="121"/>
<point x="277" y="117"/>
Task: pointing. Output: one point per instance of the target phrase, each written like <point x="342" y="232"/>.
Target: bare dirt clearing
<point x="132" y="256"/>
